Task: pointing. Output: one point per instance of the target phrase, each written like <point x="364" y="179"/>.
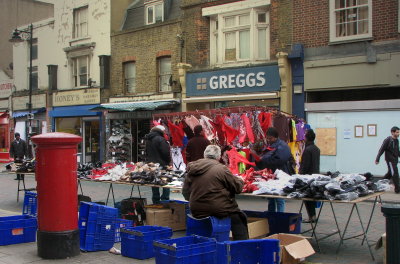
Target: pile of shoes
<point x="26" y="166"/>
<point x="120" y="141"/>
<point x="85" y="169"/>
<point x="153" y="173"/>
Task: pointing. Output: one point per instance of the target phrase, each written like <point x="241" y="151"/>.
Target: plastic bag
<point x="333" y="188"/>
<point x="349" y="196"/>
<point x="382" y="185"/>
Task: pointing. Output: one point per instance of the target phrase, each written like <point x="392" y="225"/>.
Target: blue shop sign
<point x="234" y="81"/>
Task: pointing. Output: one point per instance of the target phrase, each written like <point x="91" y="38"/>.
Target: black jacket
<point x="195" y="148"/>
<point x="310" y="159"/>
<point x="18" y="149"/>
<point x="391" y="148"/>
<point x="157" y="148"/>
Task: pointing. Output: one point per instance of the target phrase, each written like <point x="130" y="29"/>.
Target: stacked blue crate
<point x="211" y="226"/>
<point x="121" y="223"/>
<point x="137" y="242"/>
<point x="96" y="226"/>
<point x="185" y="250"/>
<point x="262" y="251"/>
<point x="20" y="228"/>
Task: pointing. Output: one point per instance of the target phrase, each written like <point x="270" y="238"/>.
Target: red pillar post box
<point x="56" y="166"/>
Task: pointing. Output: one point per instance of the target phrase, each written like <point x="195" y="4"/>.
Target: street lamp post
<point x="17" y="37"/>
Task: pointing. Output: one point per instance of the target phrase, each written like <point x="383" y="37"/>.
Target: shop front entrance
<point x="91" y="144"/>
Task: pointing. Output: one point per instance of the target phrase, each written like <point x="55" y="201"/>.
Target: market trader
<point x="18" y="151"/>
<point x="196" y="145"/>
<point x="391" y="148"/>
<point x="310" y="165"/>
<point x="210" y="188"/>
<point x="278" y="156"/>
<point x="158" y="151"/>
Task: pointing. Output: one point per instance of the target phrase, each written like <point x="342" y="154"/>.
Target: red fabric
<point x="265" y="120"/>
<point x="249" y="129"/>
<point x="217" y="124"/>
<point x="230" y="132"/>
<point x="234" y="159"/>
<point x="250" y="176"/>
<point x="177" y="134"/>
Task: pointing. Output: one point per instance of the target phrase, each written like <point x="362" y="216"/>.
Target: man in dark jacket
<point x="18" y="150"/>
<point x="277" y="156"/>
<point x="391" y="148"/>
<point x="158" y="151"/>
<point x="210" y="188"/>
<point x="310" y="165"/>
<point x="196" y="145"/>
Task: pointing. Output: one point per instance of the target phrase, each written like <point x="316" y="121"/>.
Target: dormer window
<point x="154" y="13"/>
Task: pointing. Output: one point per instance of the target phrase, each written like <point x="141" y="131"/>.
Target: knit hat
<point x="162" y="128"/>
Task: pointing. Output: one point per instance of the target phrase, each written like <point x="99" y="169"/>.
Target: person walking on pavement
<point x="158" y="151"/>
<point x="309" y="165"/>
<point x="391" y="148"/>
<point x="278" y="156"/>
<point x="210" y="188"/>
<point x="18" y="151"/>
<point x="196" y="145"/>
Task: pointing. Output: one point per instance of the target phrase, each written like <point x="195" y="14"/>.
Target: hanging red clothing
<point x="234" y="159"/>
<point x="230" y="132"/>
<point x="265" y="120"/>
<point x="249" y="129"/>
<point x="217" y="124"/>
<point x="177" y="134"/>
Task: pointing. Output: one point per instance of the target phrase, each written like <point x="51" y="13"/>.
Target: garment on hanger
<point x="234" y="159"/>
<point x="208" y="128"/>
<point x="177" y="133"/>
<point x="265" y="119"/>
<point x="248" y="128"/>
<point x="192" y="121"/>
<point x="281" y="123"/>
<point x="218" y="128"/>
<point x="177" y="159"/>
<point x="300" y="128"/>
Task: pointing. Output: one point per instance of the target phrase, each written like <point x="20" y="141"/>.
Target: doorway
<point x="91" y="140"/>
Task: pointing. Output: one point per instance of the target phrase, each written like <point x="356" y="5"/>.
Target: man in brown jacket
<point x="210" y="189"/>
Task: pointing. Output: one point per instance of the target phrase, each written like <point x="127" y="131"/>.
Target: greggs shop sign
<point x="233" y="81"/>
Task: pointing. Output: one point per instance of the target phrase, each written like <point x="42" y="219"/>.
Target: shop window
<point x="164" y="74"/>
<point x="350" y="20"/>
<point x="130" y="77"/>
<point x="80" y="22"/>
<point x="35" y="79"/>
<point x="34" y="49"/>
<point x="238" y="36"/>
<point x="154" y="13"/>
<point x="80" y="71"/>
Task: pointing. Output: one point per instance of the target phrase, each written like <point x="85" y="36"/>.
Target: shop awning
<point x="136" y="106"/>
<point x="76" y="110"/>
<point x="25" y="113"/>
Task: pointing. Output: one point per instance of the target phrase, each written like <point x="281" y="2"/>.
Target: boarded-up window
<point x="326" y="140"/>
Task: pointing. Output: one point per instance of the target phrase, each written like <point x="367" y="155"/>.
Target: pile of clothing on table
<point x="26" y="166"/>
<point x="140" y="172"/>
<point x="336" y="186"/>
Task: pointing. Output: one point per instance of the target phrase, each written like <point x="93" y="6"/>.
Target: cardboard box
<point x="258" y="227"/>
<point x="172" y="215"/>
<point x="294" y="248"/>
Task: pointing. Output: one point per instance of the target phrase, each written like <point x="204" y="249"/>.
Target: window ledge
<point x="337" y="42"/>
<point x="75" y="40"/>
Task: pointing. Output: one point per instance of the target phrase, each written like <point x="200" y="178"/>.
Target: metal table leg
<point x="370" y="217"/>
<point x="364" y="232"/>
<point x="345" y="229"/>
<point x="110" y="189"/>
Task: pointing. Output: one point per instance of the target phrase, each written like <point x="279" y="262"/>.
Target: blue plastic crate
<point x="121" y="223"/>
<point x="279" y="222"/>
<point x="211" y="226"/>
<point x="186" y="250"/>
<point x="262" y="251"/>
<point x="137" y="242"/>
<point x="17" y="229"/>
<point x="30" y="204"/>
<point x="96" y="226"/>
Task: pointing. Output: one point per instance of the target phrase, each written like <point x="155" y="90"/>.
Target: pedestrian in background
<point x="210" y="188"/>
<point x="278" y="156"/>
<point x="310" y="165"/>
<point x="391" y="148"/>
<point x="196" y="145"/>
<point x="158" y="151"/>
<point x="18" y="151"/>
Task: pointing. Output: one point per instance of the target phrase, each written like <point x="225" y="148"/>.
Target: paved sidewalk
<point x="352" y="252"/>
